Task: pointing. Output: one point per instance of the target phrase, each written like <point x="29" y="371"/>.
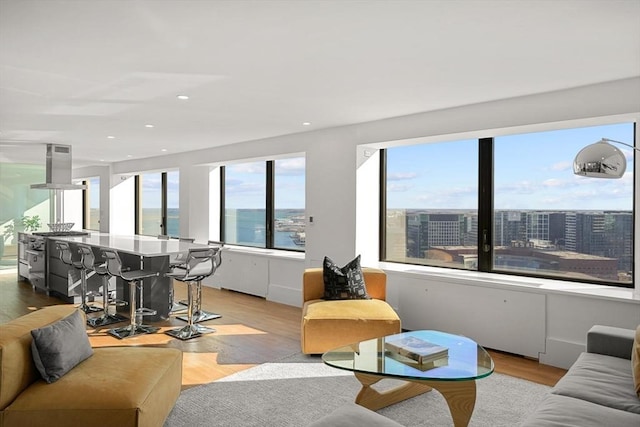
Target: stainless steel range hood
<point x="58" y="169"/>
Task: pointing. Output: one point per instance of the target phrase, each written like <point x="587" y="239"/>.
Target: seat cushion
<point x="122" y="386"/>
<point x="368" y="310"/>
<point x="563" y="411"/>
<point x="17" y="370"/>
<point x="353" y="415"/>
<point x="331" y="324"/>
<point x="600" y="379"/>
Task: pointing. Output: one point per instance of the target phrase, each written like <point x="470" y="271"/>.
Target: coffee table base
<point x="459" y="395"/>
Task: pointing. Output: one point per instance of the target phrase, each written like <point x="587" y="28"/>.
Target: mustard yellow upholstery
<point x="330" y="324"/>
<point x="119" y="386"/>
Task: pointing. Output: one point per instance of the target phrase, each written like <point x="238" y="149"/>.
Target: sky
<point x="532" y="171"/>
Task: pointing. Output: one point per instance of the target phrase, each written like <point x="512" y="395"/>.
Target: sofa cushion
<point x="563" y="411"/>
<point x="59" y="347"/>
<point x="353" y="415"/>
<point x="635" y="361"/>
<point x="604" y="380"/>
<point x="343" y="282"/>
<point x="17" y="370"/>
<point x="117" y="386"/>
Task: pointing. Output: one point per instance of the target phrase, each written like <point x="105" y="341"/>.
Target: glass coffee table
<point x="454" y="375"/>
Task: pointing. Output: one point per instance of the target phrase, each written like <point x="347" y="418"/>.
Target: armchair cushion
<point x="59" y="347"/>
<point x="334" y="323"/>
<point x="343" y="282"/>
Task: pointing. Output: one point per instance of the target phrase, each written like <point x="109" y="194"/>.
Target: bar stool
<point x="89" y="263"/>
<point x="134" y="277"/>
<point x="199" y="264"/>
<point x="175" y="307"/>
<point x="178" y="260"/>
<point x="199" y="314"/>
<point x="66" y="256"/>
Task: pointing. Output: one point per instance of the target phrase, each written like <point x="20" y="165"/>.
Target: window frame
<point x="270" y="209"/>
<point x="163" y="203"/>
<point x="486" y="214"/>
<point x="86" y="204"/>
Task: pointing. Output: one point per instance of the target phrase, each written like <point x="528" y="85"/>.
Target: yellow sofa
<point x="330" y="324"/>
<point x="117" y="386"/>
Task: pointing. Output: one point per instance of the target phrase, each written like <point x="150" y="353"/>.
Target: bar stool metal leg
<point x="191" y="330"/>
<point x="133" y="328"/>
<point x="200" y="315"/>
<point x="83" y="292"/>
<point x="106" y="318"/>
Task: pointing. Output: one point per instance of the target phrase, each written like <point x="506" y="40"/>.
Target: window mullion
<point x="269" y="214"/>
<point x="485" y="204"/>
<point x="382" y="246"/>
<point x="136" y="202"/>
<point x="223" y="212"/>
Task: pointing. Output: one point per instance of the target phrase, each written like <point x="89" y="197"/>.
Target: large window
<point x="289" y="216"/>
<point x="173" y="203"/>
<point x="157" y="204"/>
<point x="92" y="204"/>
<point x="245" y="195"/>
<point x="432" y="204"/>
<point x="516" y="198"/>
<point x="264" y="204"/>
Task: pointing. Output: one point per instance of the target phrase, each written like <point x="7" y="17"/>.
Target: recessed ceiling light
<point x="148" y="125"/>
<point x="111" y="137"/>
<point x="182" y="97"/>
<point x="306" y="123"/>
<point x="129" y="155"/>
<point x="102" y="160"/>
<point x="164" y="149"/>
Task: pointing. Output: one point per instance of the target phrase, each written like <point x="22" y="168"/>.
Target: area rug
<point x="300" y="389"/>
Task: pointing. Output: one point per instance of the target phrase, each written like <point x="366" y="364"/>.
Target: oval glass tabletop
<point x="445" y="357"/>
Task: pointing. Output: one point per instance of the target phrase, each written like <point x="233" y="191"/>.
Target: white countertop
<point x="139" y="245"/>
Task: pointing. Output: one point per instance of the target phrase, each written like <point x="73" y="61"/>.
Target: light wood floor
<point x="251" y="331"/>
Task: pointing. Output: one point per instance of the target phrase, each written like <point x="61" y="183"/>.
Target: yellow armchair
<point x="330" y="324"/>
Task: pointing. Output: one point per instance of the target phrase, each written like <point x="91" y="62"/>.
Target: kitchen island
<point x="136" y="252"/>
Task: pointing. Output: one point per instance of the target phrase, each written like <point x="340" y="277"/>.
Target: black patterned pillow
<point x="343" y="282"/>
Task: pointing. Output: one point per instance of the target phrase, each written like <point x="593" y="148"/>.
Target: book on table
<point x="426" y="366"/>
<point x="416" y="349"/>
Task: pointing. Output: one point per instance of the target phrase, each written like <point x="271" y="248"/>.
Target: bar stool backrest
<point x="187" y="239"/>
<point x="199" y="264"/>
<point x="88" y="259"/>
<point x="217" y="246"/>
<point x="114" y="264"/>
<point x="65" y="252"/>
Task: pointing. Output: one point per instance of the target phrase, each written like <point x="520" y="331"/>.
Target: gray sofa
<point x="598" y="390"/>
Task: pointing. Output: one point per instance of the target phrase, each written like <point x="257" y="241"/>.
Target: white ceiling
<point x="75" y="72"/>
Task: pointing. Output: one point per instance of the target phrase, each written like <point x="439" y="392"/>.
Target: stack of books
<point x="417" y="352"/>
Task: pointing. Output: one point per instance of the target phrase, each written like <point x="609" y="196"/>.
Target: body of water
<point x="244" y="226"/>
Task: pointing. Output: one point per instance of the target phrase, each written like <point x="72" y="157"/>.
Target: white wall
<point x="336" y="178"/>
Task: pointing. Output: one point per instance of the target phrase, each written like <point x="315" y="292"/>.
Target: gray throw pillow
<point x="343" y="282"/>
<point x="60" y="346"/>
